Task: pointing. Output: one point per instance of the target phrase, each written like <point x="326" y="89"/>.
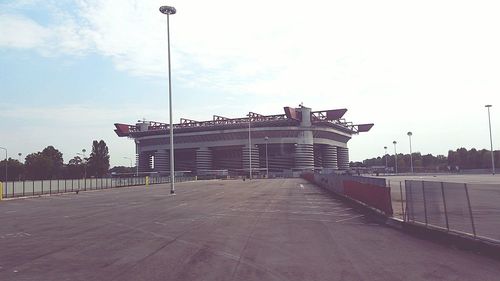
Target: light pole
<point x="267" y="162"/>
<point x="5" y="162"/>
<point x="130" y="159"/>
<point x="250" y="145"/>
<point x="488" y="106"/>
<point x="168" y="10"/>
<point x="385" y="156"/>
<point x="85" y="163"/>
<point x="395" y="157"/>
<point x="411" y="157"/>
<point x="137" y="158"/>
<point x="85" y="171"/>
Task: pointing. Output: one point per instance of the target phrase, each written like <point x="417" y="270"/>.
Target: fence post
<point x="50" y="186"/>
<point x="24" y="188"/>
<point x="470" y="210"/>
<point x="445" y="208"/>
<point x="42" y="186"/>
<point x="57" y="185"/>
<point x="1" y="191"/>
<point x="425" y="203"/>
<point x="402" y="205"/>
<point x="408" y="198"/>
<point x="33" y="188"/>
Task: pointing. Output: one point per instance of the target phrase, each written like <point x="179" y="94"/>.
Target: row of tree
<point x="456" y="160"/>
<point x="49" y="164"/>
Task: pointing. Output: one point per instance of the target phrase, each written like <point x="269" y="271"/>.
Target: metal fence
<point x="369" y="191"/>
<point x="39" y="187"/>
<point x="470" y="209"/>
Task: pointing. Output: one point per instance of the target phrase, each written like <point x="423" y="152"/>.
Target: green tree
<point x="98" y="163"/>
<point x="75" y="168"/>
<point x="14" y="169"/>
<point x="46" y="164"/>
<point x="37" y="166"/>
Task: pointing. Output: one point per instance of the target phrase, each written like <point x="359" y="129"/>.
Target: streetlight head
<point x="409" y="134"/>
<point x="167" y="10"/>
<point x="394" y="142"/>
<point x="488" y="105"/>
<point x="385" y="147"/>
<point x="84" y="150"/>
<point x="266" y="138"/>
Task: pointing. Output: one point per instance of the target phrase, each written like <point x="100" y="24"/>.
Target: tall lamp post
<point x="85" y="170"/>
<point x="385" y="156"/>
<point x="267" y="161"/>
<point x="137" y="158"/>
<point x="411" y="157"/>
<point x="130" y="159"/>
<point x="395" y="157"/>
<point x="250" y="145"/>
<point x="488" y="106"/>
<point x="85" y="165"/>
<point x="5" y="162"/>
<point x="168" y="10"/>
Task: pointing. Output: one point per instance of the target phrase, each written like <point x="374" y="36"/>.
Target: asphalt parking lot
<point x="282" y="229"/>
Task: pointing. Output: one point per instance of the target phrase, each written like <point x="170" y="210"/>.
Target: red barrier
<point x="378" y="197"/>
<point x="308" y="176"/>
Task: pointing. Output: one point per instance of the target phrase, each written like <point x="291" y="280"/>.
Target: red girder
<point x="329" y="116"/>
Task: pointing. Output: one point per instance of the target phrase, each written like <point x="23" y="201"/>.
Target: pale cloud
<point x="21" y="32"/>
<point x="283" y="47"/>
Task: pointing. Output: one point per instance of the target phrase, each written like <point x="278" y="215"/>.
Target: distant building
<point x="298" y="140"/>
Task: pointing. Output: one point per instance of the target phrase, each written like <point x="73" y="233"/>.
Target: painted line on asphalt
<point x="351" y="218"/>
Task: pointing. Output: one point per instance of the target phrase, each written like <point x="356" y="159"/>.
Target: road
<point x="282" y="229"/>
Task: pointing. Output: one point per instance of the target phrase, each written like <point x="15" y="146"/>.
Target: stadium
<point x="298" y="140"/>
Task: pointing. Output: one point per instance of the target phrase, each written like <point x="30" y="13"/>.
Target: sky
<point x="70" y="69"/>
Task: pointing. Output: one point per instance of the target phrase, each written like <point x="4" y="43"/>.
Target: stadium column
<point x="343" y="158"/>
<point x="304" y="148"/>
<point x="330" y="157"/>
<point x="161" y="161"/>
<point x="255" y="158"/>
<point x="203" y="159"/>
<point x="144" y="162"/>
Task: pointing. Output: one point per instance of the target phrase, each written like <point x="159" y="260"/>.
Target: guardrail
<point x="40" y="187"/>
<point x="369" y="191"/>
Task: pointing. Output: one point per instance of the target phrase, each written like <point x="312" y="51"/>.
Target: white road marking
<point x="351" y="218"/>
<point x="15" y="235"/>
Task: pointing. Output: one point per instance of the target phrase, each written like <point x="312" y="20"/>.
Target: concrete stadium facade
<point x="298" y="140"/>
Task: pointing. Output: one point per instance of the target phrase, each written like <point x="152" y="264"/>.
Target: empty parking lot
<point x="283" y="229"/>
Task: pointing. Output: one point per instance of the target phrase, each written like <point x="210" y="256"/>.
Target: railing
<point x="40" y="187"/>
<point x="369" y="191"/>
<point x="468" y="209"/>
